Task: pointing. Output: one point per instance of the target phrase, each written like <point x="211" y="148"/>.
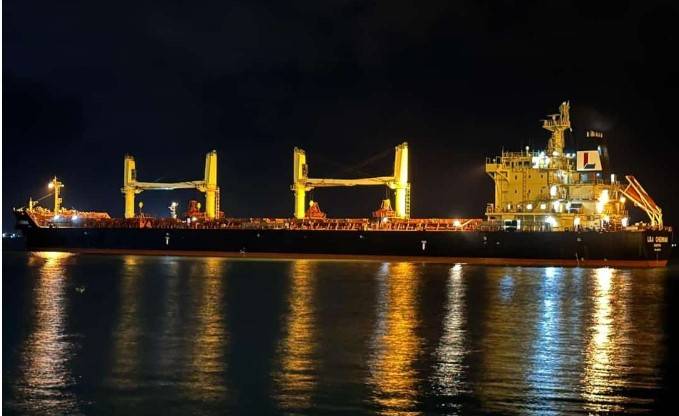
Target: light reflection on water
<point x="452" y="349"/>
<point x="609" y="350"/>
<point x="395" y="343"/>
<point x="43" y="384"/>
<point x="510" y="340"/>
<point x="168" y="337"/>
<point x="602" y="348"/>
<point x="504" y="348"/>
<point x="550" y="346"/>
<point x="296" y="380"/>
<point x="127" y="333"/>
<point x="206" y="356"/>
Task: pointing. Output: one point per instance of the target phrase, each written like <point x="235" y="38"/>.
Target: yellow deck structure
<point x="555" y="190"/>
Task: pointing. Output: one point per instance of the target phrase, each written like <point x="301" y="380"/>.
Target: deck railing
<point x="325" y="224"/>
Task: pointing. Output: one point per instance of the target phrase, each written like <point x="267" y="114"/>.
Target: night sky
<point x="85" y="82"/>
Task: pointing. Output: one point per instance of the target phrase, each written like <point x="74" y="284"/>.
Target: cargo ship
<point x="551" y="207"/>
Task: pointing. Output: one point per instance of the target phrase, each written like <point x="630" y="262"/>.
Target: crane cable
<point x="355" y="168"/>
<point x="43" y="197"/>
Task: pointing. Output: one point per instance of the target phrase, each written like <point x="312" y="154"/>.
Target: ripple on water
<point x="201" y="335"/>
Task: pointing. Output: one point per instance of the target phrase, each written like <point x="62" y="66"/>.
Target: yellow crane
<point x="208" y="185"/>
<point x="398" y="182"/>
<point x="55" y="186"/>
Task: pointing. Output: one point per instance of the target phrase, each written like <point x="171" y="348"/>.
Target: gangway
<point x="398" y="182"/>
<point x="131" y="186"/>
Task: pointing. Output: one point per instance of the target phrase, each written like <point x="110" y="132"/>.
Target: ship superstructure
<point x="553" y="190"/>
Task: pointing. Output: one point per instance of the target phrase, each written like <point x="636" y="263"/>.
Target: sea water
<point x="90" y="334"/>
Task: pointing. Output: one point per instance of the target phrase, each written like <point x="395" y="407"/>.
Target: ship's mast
<point x="557" y="124"/>
<point x="55" y="185"/>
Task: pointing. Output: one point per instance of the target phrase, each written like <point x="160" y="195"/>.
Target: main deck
<point x="99" y="221"/>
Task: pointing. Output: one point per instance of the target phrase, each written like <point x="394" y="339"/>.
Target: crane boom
<point x="637" y="194"/>
<point x="326" y="183"/>
<point x="208" y="185"/>
<point x="399" y="181"/>
<point x="165" y="186"/>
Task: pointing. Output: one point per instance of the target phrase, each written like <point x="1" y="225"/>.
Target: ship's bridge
<point x="557" y="190"/>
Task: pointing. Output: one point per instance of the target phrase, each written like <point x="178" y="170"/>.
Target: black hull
<point x="642" y="249"/>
